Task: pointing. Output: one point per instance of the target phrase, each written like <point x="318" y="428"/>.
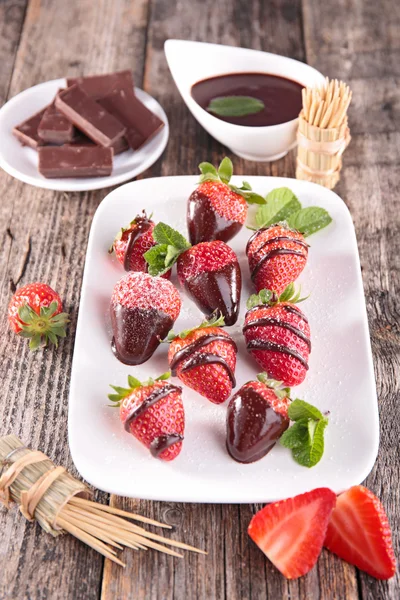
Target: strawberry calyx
<point x="133" y="384"/>
<point x="215" y="320"/>
<point x="223" y="175"/>
<point x="136" y="220"/>
<point x="170" y="244"/>
<point x="271" y="298"/>
<point x="276" y="386"/>
<point x="42" y="328"/>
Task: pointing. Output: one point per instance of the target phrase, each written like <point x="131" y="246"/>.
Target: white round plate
<point x="22" y="162"/>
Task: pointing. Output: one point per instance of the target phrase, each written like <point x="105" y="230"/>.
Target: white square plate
<point x="340" y="379"/>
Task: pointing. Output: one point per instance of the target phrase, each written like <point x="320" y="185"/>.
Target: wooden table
<point x="44" y="236"/>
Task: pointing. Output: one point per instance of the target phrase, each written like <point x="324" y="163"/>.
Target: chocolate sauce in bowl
<point x="281" y="96"/>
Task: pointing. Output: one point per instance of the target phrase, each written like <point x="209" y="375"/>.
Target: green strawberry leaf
<point x="299" y="409"/>
<point x="225" y="170"/>
<point x="249" y="196"/>
<point x="235" y="106"/>
<point x="207" y="168"/>
<point x="214" y="320"/>
<point x="164" y="376"/>
<point x="164" y="234"/>
<point x="133" y="382"/>
<point x="263" y="297"/>
<point x="309" y="220"/>
<point x="280" y="204"/>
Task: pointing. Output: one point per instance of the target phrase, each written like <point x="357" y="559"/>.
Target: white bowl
<point x="190" y="62"/>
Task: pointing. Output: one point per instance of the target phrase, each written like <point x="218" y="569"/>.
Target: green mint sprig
<point x="169" y="245"/>
<point x="235" y="106"/>
<point x="305" y="437"/>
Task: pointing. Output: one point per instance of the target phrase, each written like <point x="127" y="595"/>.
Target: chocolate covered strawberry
<point x="132" y="242"/>
<point x="153" y="412"/>
<point x="277" y="255"/>
<point x="257" y="416"/>
<point x="35" y="312"/>
<point x="209" y="271"/>
<point x="291" y="532"/>
<point x="204" y="358"/>
<point x="217" y="209"/>
<point x="143" y="310"/>
<point x="277" y="335"/>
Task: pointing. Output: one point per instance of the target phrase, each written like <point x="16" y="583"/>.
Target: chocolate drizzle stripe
<point x="206" y="358"/>
<point x="278" y="323"/>
<point x="143" y="225"/>
<point x="272" y="254"/>
<point x="200" y="342"/>
<point x="154" y="397"/>
<point x="274" y="347"/>
<point x="275" y="239"/>
<point x="162" y="442"/>
<point x="295" y="311"/>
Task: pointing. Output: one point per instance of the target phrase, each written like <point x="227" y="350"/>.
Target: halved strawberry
<point x="277" y="255"/>
<point x="277" y="335"/>
<point x="204" y="358"/>
<point x="35" y="312"/>
<point x="153" y="412"/>
<point x="217" y="209"/>
<point x="291" y="532"/>
<point x="359" y="532"/>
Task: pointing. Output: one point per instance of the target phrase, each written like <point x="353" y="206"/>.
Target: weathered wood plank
<point x="44" y="236"/>
<point x="12" y="16"/>
<point x="360" y="42"/>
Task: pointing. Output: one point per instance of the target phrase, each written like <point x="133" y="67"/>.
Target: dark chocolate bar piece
<point x="27" y="132"/>
<point x="88" y="116"/>
<point x="141" y="124"/>
<point x="80" y="139"/>
<point x="75" y="161"/>
<point x="55" y="128"/>
<point x="97" y="86"/>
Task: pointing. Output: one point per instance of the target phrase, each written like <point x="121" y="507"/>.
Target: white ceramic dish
<point x="340" y="378"/>
<point x="22" y="162"/>
<point x="190" y="62"/>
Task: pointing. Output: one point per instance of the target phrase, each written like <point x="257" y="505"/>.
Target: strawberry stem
<point x="42" y="328"/>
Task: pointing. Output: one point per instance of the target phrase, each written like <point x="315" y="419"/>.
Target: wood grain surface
<point x="44" y="236"/>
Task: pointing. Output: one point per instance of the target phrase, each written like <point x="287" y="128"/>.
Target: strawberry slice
<point x="359" y="532"/>
<point x="291" y="532"/>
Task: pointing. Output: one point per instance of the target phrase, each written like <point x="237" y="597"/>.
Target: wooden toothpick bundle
<point x="323" y="133"/>
<point x="60" y="503"/>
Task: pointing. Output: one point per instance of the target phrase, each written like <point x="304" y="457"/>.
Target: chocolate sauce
<point x="143" y="224"/>
<point x="277" y="238"/>
<point x="202" y="341"/>
<point x="253" y="427"/>
<point x="279" y="323"/>
<point x="156" y="396"/>
<point x="161" y="443"/>
<point x="271" y="254"/>
<point x="295" y="311"/>
<point x="204" y="223"/>
<point x="274" y="347"/>
<point x="137" y="332"/>
<point x="281" y="97"/>
<point x="207" y="358"/>
<point x="218" y="290"/>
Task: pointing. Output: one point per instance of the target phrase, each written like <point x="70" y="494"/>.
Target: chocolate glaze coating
<point x="157" y="395"/>
<point x="218" y="290"/>
<point x="253" y="427"/>
<point x="142" y="225"/>
<point x="137" y="332"/>
<point x="161" y="443"/>
<point x="204" y="223"/>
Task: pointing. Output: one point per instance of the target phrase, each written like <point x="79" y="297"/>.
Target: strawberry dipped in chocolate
<point x="217" y="210"/>
<point x="132" y="242"/>
<point x="143" y="310"/>
<point x="204" y="359"/>
<point x="209" y="271"/>
<point x="277" y="255"/>
<point x="257" y="416"/>
<point x="277" y="335"/>
<point x="152" y="411"/>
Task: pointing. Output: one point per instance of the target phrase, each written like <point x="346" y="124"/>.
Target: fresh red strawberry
<point x="143" y="310"/>
<point x="277" y="255"/>
<point x="217" y="209"/>
<point x="35" y="312"/>
<point x="257" y="416"/>
<point x="359" y="532"/>
<point x="291" y="532"/>
<point x="153" y="412"/>
<point x="132" y="242"/>
<point x="277" y="334"/>
<point x="209" y="271"/>
<point x="204" y="358"/>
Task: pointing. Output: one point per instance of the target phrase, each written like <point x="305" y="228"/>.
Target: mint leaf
<point x="156" y="258"/>
<point x="235" y="106"/>
<point x="309" y="454"/>
<point x="280" y="204"/>
<point x="164" y="234"/>
<point x="297" y="435"/>
<point x="171" y="256"/>
<point x="299" y="409"/>
<point x="225" y="170"/>
<point x="309" y="220"/>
